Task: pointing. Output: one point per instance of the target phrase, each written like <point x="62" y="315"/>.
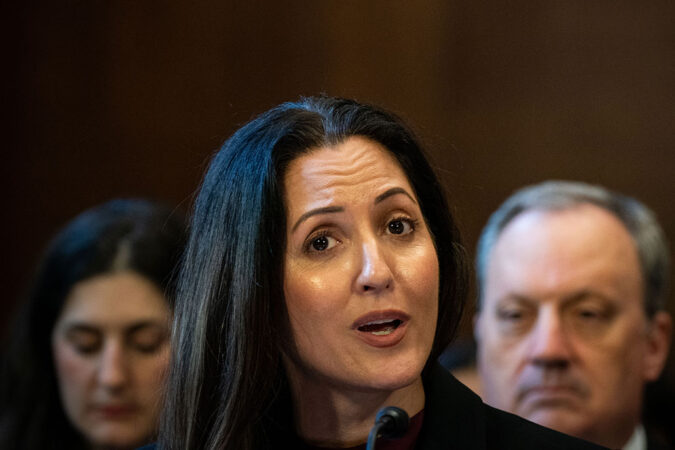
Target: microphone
<point x="391" y="423"/>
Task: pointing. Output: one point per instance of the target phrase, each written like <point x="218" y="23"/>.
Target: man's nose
<point x="549" y="342"/>
<point x="375" y="275"/>
<point x="113" y="370"/>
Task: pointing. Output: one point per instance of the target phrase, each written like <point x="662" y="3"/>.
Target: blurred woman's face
<point x="361" y="272"/>
<point x="110" y="347"/>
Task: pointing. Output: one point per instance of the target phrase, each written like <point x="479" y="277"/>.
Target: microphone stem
<point x="372" y="436"/>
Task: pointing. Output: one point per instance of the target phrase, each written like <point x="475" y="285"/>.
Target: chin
<point x="565" y="421"/>
<point x="119" y="439"/>
<point x="395" y="373"/>
<point x="394" y="381"/>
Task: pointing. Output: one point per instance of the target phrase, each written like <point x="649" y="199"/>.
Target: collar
<point x="638" y="441"/>
<point x="453" y="413"/>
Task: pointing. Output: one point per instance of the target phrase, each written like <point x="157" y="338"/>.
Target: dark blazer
<point x="456" y="419"/>
<point x="656" y="442"/>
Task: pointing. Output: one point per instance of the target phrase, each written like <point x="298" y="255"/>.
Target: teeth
<point x="383" y="332"/>
<point x="378" y="322"/>
<point x="380" y="327"/>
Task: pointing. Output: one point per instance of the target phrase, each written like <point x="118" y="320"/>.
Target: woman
<point x="322" y="278"/>
<point x="85" y="363"/>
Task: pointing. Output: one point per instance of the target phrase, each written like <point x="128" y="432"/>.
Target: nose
<point x="375" y="275"/>
<point x="550" y="346"/>
<point x="112" y="370"/>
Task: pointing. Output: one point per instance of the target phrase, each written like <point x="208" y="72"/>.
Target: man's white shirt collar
<point x="638" y="441"/>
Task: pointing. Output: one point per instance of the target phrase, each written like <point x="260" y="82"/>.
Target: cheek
<point x="314" y="299"/>
<point x="149" y="376"/>
<point x="151" y="370"/>
<point x="74" y="374"/>
<point x="426" y="284"/>
<point x="622" y="347"/>
<point x="499" y="355"/>
<point x="417" y="263"/>
<point x="417" y="271"/>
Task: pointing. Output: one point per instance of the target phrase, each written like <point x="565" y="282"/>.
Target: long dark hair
<point x="230" y="320"/>
<point x="136" y="235"/>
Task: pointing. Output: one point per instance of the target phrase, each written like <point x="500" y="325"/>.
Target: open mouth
<point x="380" y="327"/>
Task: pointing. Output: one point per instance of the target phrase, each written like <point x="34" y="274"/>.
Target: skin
<point x="370" y="252"/>
<point x="110" y="347"/>
<point x="563" y="339"/>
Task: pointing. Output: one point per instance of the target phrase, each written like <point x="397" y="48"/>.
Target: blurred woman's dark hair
<point x="135" y="235"/>
<point x="231" y="323"/>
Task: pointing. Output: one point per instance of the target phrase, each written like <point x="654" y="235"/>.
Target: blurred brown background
<point x="105" y="99"/>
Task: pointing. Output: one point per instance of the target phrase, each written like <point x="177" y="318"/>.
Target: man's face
<point x="563" y="339"/>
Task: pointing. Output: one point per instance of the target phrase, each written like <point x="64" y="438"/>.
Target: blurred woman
<point x="85" y="363"/>
<point x="323" y="276"/>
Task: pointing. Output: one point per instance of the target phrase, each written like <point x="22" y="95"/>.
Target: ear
<point x="658" y="345"/>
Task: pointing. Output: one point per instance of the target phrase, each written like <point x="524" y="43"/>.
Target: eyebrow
<point x="519" y="298"/>
<point x="572" y="299"/>
<point x="586" y="294"/>
<point x="336" y="209"/>
<point x="144" y="326"/>
<point x="314" y="212"/>
<point x="393" y="191"/>
<point x="78" y="327"/>
<point x="82" y="327"/>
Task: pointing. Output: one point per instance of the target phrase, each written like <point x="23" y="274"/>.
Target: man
<point x="571" y="321"/>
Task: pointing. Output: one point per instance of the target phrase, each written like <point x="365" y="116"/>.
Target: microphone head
<point x="394" y="422"/>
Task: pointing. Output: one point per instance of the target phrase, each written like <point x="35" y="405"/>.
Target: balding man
<point x="571" y="322"/>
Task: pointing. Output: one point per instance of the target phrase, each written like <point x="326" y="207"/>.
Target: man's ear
<point x="658" y="344"/>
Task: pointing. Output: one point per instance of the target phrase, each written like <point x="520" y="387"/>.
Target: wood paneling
<point x="106" y="99"/>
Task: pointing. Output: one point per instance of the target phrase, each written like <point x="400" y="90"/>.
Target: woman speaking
<point x="323" y="276"/>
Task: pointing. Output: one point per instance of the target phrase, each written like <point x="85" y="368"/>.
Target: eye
<point x="148" y="345"/>
<point x="588" y="314"/>
<point x="320" y="242"/>
<point x="84" y="342"/>
<point x="510" y="314"/>
<point x="147" y="340"/>
<point x="591" y="314"/>
<point x="401" y="226"/>
<point x="592" y="319"/>
<point x="87" y="348"/>
<point x="514" y="320"/>
<point x="592" y="311"/>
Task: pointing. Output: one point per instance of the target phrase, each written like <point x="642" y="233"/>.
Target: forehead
<point x="354" y="169"/>
<point x="114" y="300"/>
<point x="582" y="246"/>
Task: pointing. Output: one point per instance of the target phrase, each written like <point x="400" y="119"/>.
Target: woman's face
<point x="110" y="347"/>
<point x="361" y="271"/>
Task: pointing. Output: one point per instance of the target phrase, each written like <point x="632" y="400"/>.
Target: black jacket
<point x="656" y="442"/>
<point x="456" y="418"/>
